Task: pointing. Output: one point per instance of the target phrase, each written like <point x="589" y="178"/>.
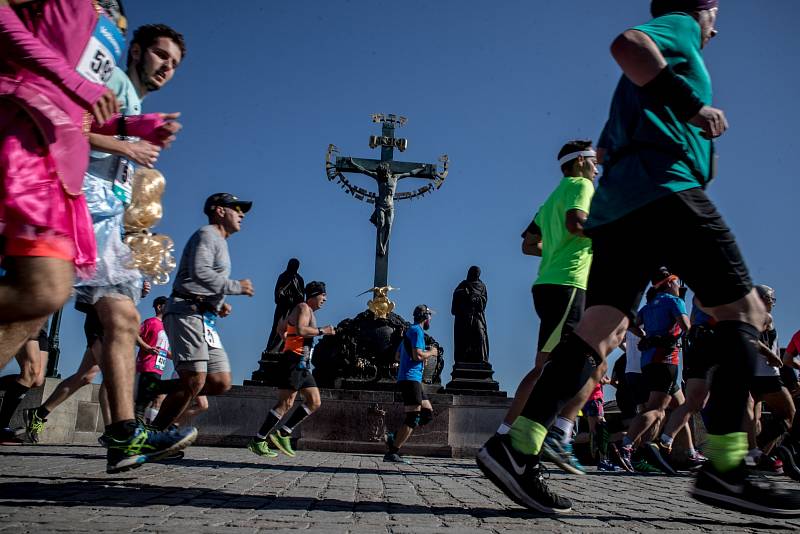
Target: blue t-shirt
<point x="660" y="318"/>
<point x="411" y="369"/>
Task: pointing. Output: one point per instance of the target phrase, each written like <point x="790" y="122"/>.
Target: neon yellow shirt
<point x="566" y="258"/>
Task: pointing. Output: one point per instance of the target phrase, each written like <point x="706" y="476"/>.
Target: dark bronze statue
<point x="288" y="293"/>
<point x="470" y="337"/>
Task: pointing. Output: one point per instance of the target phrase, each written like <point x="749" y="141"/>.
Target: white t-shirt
<point x="632" y="352"/>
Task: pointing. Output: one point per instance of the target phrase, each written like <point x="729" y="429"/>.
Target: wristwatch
<point x="319" y="330"/>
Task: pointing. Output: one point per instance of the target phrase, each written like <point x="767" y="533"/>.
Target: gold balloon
<point x="152" y="253"/>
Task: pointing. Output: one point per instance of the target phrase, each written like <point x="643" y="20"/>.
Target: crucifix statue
<point x="386" y="173"/>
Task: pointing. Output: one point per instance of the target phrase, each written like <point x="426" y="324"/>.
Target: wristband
<point x="671" y="90"/>
<point x="319" y="330"/>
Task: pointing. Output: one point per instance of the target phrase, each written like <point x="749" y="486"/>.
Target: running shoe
<point x="553" y="450"/>
<point x="396" y="458"/>
<point x="605" y="465"/>
<point x="34" y="425"/>
<point x="519" y="476"/>
<point x="146" y="446"/>
<point x="261" y="448"/>
<point x="789" y="453"/>
<point x="623" y="456"/>
<point x="741" y="491"/>
<point x="390" y="440"/>
<point x="641" y="465"/>
<point x="695" y="461"/>
<point x="656" y="456"/>
<point x="769" y="464"/>
<point x="283" y="444"/>
<point x="9" y="437"/>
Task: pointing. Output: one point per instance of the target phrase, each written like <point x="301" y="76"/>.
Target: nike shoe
<point x="146" y="446"/>
<point x="739" y="490"/>
<point x="655" y="456"/>
<point x="9" y="437"/>
<point x="789" y="453"/>
<point x="261" y="448"/>
<point x="393" y="457"/>
<point x="283" y="444"/>
<point x="607" y="466"/>
<point x="561" y="455"/>
<point x="519" y="476"/>
<point x="34" y="425"/>
<point x="623" y="456"/>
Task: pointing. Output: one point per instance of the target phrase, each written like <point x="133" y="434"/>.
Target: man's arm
<point x="644" y="65"/>
<point x="412" y="173"/>
<point x="304" y="327"/>
<point x="362" y="169"/>
<point x="140" y="152"/>
<point x="684" y="323"/>
<point x="422" y="354"/>
<point x="532" y="244"/>
<point x="574" y="221"/>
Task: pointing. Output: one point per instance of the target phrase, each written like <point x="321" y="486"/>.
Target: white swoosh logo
<point x="517" y="468"/>
<point x="739" y="488"/>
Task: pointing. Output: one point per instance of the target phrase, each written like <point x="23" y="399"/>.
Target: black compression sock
<point x="297" y="417"/>
<point x="269" y="423"/>
<point x="15" y="392"/>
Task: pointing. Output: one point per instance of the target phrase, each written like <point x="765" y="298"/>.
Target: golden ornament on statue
<point x="380" y="304"/>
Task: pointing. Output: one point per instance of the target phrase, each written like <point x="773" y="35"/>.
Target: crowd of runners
<point x="76" y="159"/>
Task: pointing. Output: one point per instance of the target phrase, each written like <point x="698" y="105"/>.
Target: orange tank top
<point x="295" y="342"/>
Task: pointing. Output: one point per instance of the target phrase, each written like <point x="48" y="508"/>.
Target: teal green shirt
<point x="649" y="152"/>
<point x="566" y="258"/>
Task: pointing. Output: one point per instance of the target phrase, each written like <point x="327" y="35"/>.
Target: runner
<point x="298" y="332"/>
<point x="197" y="300"/>
<point x="152" y="357"/>
<point x="32" y="360"/>
<point x="657" y="158"/>
<point x="789" y="449"/>
<point x="46" y="90"/>
<point x="767" y="387"/>
<point x="556" y="234"/>
<point x="698" y="359"/>
<point x="664" y="320"/>
<point x="599" y="435"/>
<point x="412" y="354"/>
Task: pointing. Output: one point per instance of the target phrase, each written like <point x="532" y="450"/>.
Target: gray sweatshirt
<point x="204" y="269"/>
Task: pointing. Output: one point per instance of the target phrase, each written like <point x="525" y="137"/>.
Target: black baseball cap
<point x="315" y="288"/>
<point x="226" y="200"/>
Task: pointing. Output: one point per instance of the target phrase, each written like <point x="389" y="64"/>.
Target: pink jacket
<point x="37" y="70"/>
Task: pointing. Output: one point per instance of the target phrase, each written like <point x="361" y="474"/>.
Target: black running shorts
<point x="295" y="375"/>
<point x="660" y="377"/>
<point x="763" y="385"/>
<point x="559" y="309"/>
<point x="682" y="231"/>
<point x="699" y="355"/>
<point x="412" y="392"/>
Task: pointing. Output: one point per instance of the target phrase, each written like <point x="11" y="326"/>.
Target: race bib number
<point x="123" y="181"/>
<point x="161" y="360"/>
<point x="102" y="53"/>
<point x="210" y="331"/>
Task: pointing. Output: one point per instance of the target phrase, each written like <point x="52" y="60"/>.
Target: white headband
<point x="573" y="155"/>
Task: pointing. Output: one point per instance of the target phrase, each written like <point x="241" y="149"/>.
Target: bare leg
<point x="191" y="383"/>
<point x="105" y="408"/>
<point x="120" y="322"/>
<point x="199" y="406"/>
<point x="696" y="398"/>
<point x="85" y="374"/>
<point x="651" y="417"/>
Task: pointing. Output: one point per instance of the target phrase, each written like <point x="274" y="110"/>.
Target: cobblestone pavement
<point x="57" y="488"/>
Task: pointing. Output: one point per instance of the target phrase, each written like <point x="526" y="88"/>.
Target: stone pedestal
<point x="473" y="379"/>
<point x="268" y="370"/>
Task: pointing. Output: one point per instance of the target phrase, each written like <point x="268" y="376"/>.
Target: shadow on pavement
<point x="130" y="492"/>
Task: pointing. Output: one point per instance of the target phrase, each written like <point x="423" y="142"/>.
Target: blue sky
<point x="499" y="87"/>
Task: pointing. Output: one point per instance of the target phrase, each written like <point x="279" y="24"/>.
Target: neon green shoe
<point x="34" y="425"/>
<point x="261" y="448"/>
<point x="283" y="444"/>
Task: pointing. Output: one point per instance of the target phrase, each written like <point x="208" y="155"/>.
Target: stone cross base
<point x="473" y="379"/>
